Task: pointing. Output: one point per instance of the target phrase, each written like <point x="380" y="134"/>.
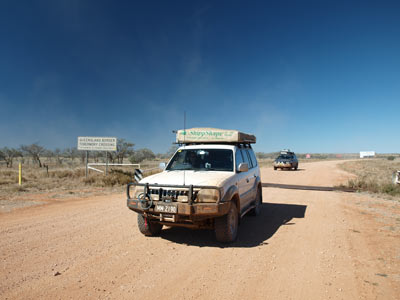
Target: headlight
<point x="208" y="195"/>
<point x="135" y="191"/>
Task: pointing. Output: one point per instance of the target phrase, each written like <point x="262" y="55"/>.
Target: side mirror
<point x="243" y="167"/>
<point x="162" y="166"/>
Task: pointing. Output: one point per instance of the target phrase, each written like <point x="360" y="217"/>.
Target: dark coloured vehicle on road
<point x="286" y="160"/>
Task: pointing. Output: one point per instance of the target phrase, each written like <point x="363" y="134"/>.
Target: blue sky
<point x="312" y="76"/>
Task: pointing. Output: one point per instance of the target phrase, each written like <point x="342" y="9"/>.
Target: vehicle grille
<point x="171" y="194"/>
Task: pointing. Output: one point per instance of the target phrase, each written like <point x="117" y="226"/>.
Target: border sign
<point x="90" y="143"/>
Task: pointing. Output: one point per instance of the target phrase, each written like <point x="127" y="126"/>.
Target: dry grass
<point x="64" y="179"/>
<point x="265" y="162"/>
<point x="373" y="175"/>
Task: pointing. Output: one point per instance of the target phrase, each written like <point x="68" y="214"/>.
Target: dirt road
<point x="305" y="245"/>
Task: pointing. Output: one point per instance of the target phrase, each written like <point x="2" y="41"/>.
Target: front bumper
<point x="193" y="211"/>
<point x="188" y="210"/>
<point x="282" y="165"/>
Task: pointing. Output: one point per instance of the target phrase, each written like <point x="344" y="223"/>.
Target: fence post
<point x="106" y="163"/>
<point x="87" y="160"/>
<point x="20" y="174"/>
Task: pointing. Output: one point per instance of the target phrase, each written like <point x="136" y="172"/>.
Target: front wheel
<point x="148" y="228"/>
<point x="226" y="227"/>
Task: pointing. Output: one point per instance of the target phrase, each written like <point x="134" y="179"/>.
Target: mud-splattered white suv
<point x="211" y="181"/>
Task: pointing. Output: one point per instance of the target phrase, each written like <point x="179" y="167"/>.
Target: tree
<point x="8" y="155"/>
<point x="141" y="155"/>
<point x="82" y="154"/>
<point x="172" y="150"/>
<point x="57" y="153"/>
<point x="71" y="153"/>
<point x="124" y="149"/>
<point x="270" y="155"/>
<point x="34" y="150"/>
<point x="48" y="154"/>
<point x="97" y="155"/>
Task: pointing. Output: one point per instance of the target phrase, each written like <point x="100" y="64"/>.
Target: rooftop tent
<point x="213" y="135"/>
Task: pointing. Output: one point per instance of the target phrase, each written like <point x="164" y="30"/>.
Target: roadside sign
<point x="91" y="143"/>
<point x="367" y="154"/>
<point x="138" y="175"/>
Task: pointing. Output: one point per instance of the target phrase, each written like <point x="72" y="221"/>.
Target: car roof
<point x="283" y="152"/>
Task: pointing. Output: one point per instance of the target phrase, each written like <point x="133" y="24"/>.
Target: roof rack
<point x="286" y="151"/>
<point x="239" y="145"/>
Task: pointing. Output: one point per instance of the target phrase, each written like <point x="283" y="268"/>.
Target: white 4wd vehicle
<point x="212" y="181"/>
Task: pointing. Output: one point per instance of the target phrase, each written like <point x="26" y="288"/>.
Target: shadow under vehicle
<point x="253" y="231"/>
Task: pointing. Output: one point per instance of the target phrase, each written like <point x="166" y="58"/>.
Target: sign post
<point x="106" y="163"/>
<point x="87" y="161"/>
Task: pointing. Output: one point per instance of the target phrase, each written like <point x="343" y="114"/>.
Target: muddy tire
<point x="226" y="227"/>
<point x="258" y="202"/>
<point x="147" y="227"/>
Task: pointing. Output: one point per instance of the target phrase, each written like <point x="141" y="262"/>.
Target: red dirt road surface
<point x="304" y="245"/>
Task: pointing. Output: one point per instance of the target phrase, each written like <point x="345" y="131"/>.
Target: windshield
<point x="202" y="160"/>
<point x="285" y="156"/>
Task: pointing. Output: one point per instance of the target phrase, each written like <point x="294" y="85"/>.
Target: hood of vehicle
<point x="213" y="178"/>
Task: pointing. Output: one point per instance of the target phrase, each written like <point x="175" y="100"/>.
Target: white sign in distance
<point x="91" y="143"/>
<point x="367" y="154"/>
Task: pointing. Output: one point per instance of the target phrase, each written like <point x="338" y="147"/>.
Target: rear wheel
<point x="147" y="227"/>
<point x="226" y="227"/>
<point x="275" y="168"/>
<point x="258" y="202"/>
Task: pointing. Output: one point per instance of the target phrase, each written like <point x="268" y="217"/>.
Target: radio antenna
<point x="184" y="137"/>
<point x="184" y="125"/>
